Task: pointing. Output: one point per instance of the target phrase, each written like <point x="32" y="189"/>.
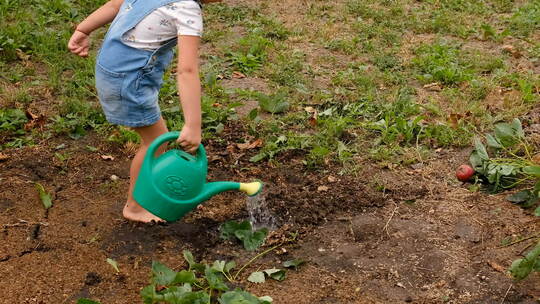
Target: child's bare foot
<point x="134" y="212"/>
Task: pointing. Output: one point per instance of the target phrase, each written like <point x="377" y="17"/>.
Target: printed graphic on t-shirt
<point x="166" y="23"/>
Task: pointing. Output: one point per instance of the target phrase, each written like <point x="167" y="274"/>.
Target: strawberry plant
<point x="251" y="239"/>
<point x="511" y="162"/>
<point x="199" y="284"/>
<point x="521" y="268"/>
<point x="12" y="123"/>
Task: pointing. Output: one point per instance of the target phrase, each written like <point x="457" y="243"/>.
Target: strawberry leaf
<point x="521" y="268"/>
<point x="229" y="228"/>
<point x="240" y="297"/>
<point x="162" y="275"/>
<point x="86" y="301"/>
<point x="256" y="277"/>
<point x="244" y="232"/>
<point x="293" y="263"/>
<point x="214" y="279"/>
<point x="276" y="274"/>
<point x="252" y="239"/>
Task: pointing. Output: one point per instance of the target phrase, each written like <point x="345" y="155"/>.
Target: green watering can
<point x="174" y="183"/>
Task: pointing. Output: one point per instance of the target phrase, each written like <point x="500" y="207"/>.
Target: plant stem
<point x="230" y="279"/>
<point x="255" y="258"/>
<point x="521" y="240"/>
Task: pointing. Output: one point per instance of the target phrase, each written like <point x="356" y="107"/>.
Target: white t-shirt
<point x="166" y="23"/>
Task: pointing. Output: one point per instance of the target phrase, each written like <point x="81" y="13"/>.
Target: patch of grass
<point x="250" y="54"/>
<point x="526" y="84"/>
<point x="441" y="62"/>
<point x="273" y="28"/>
<point x="387" y="62"/>
<point x="525" y="19"/>
<point x="12" y="120"/>
<point x="346" y="46"/>
<point x="227" y="14"/>
<point x="76" y="117"/>
<point x="123" y="135"/>
<point x="286" y="68"/>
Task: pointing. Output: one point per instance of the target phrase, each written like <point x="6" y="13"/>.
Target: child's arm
<point x="189" y="86"/>
<point x="79" y="42"/>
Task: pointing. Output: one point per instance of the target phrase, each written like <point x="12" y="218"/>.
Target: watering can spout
<point x="251" y="189"/>
<point x="211" y="189"/>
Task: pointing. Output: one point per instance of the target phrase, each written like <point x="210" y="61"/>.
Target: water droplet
<point x="259" y="214"/>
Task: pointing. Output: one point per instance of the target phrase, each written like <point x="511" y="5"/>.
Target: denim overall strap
<point x="116" y="56"/>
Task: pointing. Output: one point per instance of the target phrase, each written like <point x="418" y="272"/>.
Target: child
<point x="129" y="69"/>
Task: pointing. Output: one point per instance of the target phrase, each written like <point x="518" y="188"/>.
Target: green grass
<point x="360" y="66"/>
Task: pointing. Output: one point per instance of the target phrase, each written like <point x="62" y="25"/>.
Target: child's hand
<point x="190" y="139"/>
<point x="79" y="44"/>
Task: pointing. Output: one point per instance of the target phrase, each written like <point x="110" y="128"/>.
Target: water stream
<point x="259" y="214"/>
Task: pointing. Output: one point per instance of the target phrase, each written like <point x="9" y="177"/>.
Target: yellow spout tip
<point x="251" y="189"/>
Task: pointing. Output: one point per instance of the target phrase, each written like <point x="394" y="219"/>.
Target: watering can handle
<point x="171" y="136"/>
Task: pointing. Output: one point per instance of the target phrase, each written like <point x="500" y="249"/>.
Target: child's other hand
<point x="79" y="44"/>
<point x="190" y="139"/>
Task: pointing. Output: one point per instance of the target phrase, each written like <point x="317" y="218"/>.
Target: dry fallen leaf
<point x="30" y="115"/>
<point x="310" y="110"/>
<point x="511" y="50"/>
<point x="3" y="157"/>
<point x="497" y="267"/>
<point x="322" y="188"/>
<point x="34" y="120"/>
<point x="435" y="86"/>
<point x="313" y="120"/>
<point x="247" y="146"/>
<point x="107" y="157"/>
<point x="331" y="179"/>
<point x="36" y="123"/>
<point x="238" y="75"/>
<point x="22" y="55"/>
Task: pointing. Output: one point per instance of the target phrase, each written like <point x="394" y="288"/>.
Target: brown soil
<point x="423" y="239"/>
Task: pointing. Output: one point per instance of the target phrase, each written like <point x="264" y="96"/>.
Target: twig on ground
<point x="24" y="223"/>
<point x="526" y="247"/>
<point x="255" y="258"/>
<point x="521" y="240"/>
<point x="351" y="229"/>
<point x="506" y="294"/>
<point x="388" y="222"/>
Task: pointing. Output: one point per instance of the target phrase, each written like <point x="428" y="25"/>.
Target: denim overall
<point x="128" y="79"/>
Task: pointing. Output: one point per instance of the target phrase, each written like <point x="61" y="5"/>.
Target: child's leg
<point x="132" y="210"/>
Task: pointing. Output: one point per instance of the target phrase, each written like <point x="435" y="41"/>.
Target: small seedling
<point x="274" y="104"/>
<point x="44" y="196"/>
<point x="114" y="264"/>
<point x="252" y="239"/>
